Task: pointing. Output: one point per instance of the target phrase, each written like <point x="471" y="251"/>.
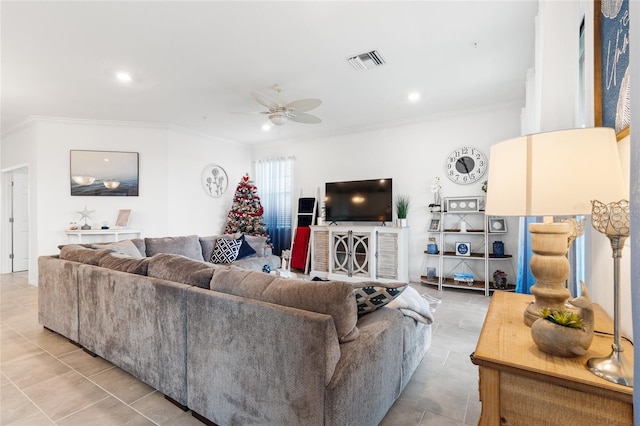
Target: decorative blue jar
<point x="498" y="249"/>
<point x="432" y="248"/>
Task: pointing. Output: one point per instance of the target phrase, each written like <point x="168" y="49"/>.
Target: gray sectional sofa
<point x="234" y="345"/>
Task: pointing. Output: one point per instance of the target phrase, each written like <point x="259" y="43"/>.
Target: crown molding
<point x="401" y="122"/>
<point x="33" y="120"/>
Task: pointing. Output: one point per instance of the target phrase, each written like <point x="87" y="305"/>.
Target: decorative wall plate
<point x="214" y="180"/>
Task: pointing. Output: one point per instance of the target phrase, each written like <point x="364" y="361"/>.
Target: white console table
<point x="99" y="235"/>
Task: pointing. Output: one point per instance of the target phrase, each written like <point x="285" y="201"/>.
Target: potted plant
<point x="402" y="207"/>
<point x="563" y="333"/>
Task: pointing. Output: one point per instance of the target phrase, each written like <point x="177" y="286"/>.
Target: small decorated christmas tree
<point x="246" y="211"/>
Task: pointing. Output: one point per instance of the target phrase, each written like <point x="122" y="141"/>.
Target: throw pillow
<point x="188" y="246"/>
<point x="374" y="295"/>
<point x="245" y="249"/>
<point x="225" y="251"/>
<point x="258" y="243"/>
<point x="126" y="247"/>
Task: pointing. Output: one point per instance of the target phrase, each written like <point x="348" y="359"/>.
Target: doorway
<point x="17" y="211"/>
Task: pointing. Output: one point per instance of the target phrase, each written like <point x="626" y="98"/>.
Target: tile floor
<point x="45" y="380"/>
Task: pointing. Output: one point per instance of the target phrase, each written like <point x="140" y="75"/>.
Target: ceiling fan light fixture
<point x="278" y="118"/>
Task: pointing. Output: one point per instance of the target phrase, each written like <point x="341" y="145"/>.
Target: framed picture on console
<point x="434" y="225"/>
<point x="104" y="173"/>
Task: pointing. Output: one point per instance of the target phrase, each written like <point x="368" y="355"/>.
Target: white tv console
<point x="360" y="253"/>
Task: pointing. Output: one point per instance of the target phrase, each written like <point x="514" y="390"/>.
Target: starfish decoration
<point x="85" y="214"/>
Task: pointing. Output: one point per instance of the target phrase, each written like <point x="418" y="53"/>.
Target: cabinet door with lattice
<point x="320" y="251"/>
<point x="387" y="255"/>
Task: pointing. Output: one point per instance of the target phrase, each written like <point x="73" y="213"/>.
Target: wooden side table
<point x="521" y="385"/>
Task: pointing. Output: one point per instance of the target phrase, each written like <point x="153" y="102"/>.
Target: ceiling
<point x="194" y="64"/>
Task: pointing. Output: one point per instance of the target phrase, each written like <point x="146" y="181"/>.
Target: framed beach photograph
<point x="434" y="225"/>
<point x="612" y="91"/>
<point x="497" y="225"/>
<point x="104" y="173"/>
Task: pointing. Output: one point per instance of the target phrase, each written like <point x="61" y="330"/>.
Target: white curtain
<point x="274" y="178"/>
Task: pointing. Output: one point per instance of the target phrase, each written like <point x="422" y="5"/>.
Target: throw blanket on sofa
<point x="413" y="305"/>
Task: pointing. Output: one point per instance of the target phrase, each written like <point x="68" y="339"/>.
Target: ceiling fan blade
<point x="302" y="117"/>
<point x="250" y="112"/>
<point x="264" y="100"/>
<point x="303" y="105"/>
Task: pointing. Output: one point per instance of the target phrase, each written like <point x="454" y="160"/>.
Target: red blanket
<point x="300" y="247"/>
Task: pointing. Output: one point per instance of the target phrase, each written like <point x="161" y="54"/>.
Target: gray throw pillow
<point x="259" y="244"/>
<point x="188" y="246"/>
<point x="126" y="247"/>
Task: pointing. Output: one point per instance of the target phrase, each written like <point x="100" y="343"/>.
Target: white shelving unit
<point x="480" y="261"/>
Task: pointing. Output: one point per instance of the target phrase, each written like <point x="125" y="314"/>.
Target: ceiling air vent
<point x="366" y="61"/>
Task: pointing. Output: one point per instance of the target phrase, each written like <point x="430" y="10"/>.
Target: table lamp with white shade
<point x="553" y="174"/>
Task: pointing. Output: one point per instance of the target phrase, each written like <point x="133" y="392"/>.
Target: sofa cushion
<point x="140" y="245"/>
<point x="126" y="247"/>
<point x="374" y="295"/>
<point x="259" y="244"/>
<point x="188" y="246"/>
<point x="207" y="244"/>
<point x="333" y="298"/>
<point x="225" y="251"/>
<point x="78" y="253"/>
<point x="245" y="249"/>
<point x="173" y="267"/>
<point x="124" y="263"/>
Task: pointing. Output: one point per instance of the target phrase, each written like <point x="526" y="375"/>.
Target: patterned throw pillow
<point x="374" y="295"/>
<point x="225" y="251"/>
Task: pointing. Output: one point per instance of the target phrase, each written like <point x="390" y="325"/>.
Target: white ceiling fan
<point x="280" y="112"/>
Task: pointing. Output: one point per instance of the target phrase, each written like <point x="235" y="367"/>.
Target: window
<point x="274" y="178"/>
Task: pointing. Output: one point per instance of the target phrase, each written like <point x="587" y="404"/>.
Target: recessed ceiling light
<point x="413" y="96"/>
<point x="266" y="127"/>
<point x="123" y="76"/>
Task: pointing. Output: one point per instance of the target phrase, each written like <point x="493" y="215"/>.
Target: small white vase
<point x="402" y="223"/>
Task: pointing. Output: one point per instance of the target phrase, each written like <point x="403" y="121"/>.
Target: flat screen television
<point x="359" y="200"/>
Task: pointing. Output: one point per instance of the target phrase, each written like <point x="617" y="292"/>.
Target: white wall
<point x="411" y="154"/>
<point x="18" y="150"/>
<point x="171" y="200"/>
<point x="190" y="209"/>
<point x="601" y="263"/>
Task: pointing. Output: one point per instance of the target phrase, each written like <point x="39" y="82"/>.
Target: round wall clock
<point x="465" y="165"/>
<point x="214" y="180"/>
